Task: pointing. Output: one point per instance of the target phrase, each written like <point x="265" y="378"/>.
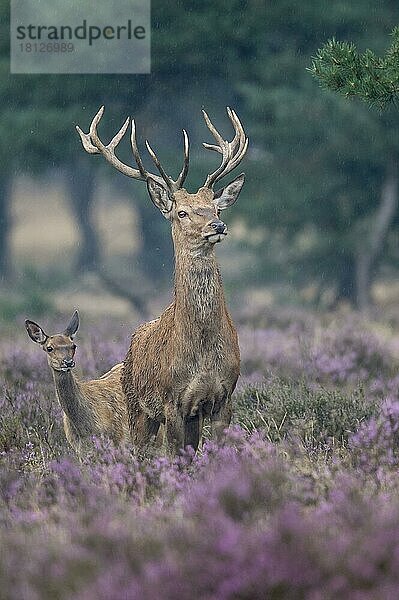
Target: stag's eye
<point x="182" y="214"/>
<point x="50" y="348"/>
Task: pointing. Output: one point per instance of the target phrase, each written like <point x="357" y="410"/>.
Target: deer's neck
<point x="199" y="298"/>
<point x="73" y="402"/>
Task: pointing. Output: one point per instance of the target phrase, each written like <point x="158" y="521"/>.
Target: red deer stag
<point x="184" y="365"/>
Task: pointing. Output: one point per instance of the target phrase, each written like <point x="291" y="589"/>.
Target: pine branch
<point x="338" y="66"/>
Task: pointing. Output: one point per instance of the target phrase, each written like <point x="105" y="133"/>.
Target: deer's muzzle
<point x="215" y="231"/>
<point x="67" y="363"/>
<point x="219" y="227"/>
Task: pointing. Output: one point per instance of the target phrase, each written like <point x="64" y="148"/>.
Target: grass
<point x="287" y="409"/>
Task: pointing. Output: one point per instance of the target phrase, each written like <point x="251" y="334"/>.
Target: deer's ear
<point x="35" y="332"/>
<point x="73" y="325"/>
<point x="228" y="195"/>
<point x="160" y="197"/>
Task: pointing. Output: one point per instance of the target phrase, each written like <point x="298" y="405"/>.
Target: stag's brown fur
<point x="89" y="408"/>
<point x="185" y="364"/>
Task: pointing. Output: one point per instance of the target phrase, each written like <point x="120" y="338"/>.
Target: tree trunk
<point x="80" y="183"/>
<point x="379" y="226"/>
<point x="5" y="226"/>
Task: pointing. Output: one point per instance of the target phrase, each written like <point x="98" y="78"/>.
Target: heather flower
<point x="283" y="507"/>
<point x="376" y="443"/>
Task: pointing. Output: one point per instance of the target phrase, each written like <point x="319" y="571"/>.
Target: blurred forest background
<point x="321" y="169"/>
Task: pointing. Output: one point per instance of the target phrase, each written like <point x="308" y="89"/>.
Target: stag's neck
<point x="199" y="297"/>
<point x="73" y="402"/>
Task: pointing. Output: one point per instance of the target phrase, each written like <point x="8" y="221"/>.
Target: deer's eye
<point x="182" y="214"/>
<point x="50" y="348"/>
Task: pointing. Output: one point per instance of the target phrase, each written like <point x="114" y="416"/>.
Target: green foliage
<point x="286" y="409"/>
<point x="316" y="163"/>
<point x="340" y="67"/>
<point x="322" y="160"/>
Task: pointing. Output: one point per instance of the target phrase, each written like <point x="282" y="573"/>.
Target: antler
<point x="232" y="152"/>
<point x="93" y="145"/>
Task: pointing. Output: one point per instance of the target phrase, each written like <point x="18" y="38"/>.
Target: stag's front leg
<point x="144" y="429"/>
<point x="192" y="409"/>
<point x="221" y="418"/>
<point x="193" y="430"/>
<point x="174" y="429"/>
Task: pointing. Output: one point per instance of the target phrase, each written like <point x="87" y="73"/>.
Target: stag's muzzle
<point x="219" y="227"/>
<point x="215" y="231"/>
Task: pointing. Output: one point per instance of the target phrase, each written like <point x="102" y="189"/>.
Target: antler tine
<point x="86" y="138"/>
<point x="117" y="138"/>
<point x="232" y="152"/>
<point x="239" y="138"/>
<point x="93" y="145"/>
<point x="135" y="150"/>
<point x="237" y="127"/>
<point x="169" y="182"/>
<point x="173" y="185"/>
<point x="213" y="129"/>
<point x="213" y="177"/>
<point x="86" y="141"/>
<point x="222" y="147"/>
<point x="183" y="173"/>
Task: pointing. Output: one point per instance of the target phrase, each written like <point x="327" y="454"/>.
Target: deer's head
<point x="195" y="218"/>
<point x="59" y="348"/>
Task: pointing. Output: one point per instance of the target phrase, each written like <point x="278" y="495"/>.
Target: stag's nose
<point x="219" y="226"/>
<point x="69" y="362"/>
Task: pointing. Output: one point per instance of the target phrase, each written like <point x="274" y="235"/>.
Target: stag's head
<point x="195" y="218"/>
<point x="59" y="348"/>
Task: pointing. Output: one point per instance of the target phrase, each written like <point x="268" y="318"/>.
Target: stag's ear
<point x="160" y="197"/>
<point x="228" y="195"/>
<point x="35" y="332"/>
<point x="73" y="325"/>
